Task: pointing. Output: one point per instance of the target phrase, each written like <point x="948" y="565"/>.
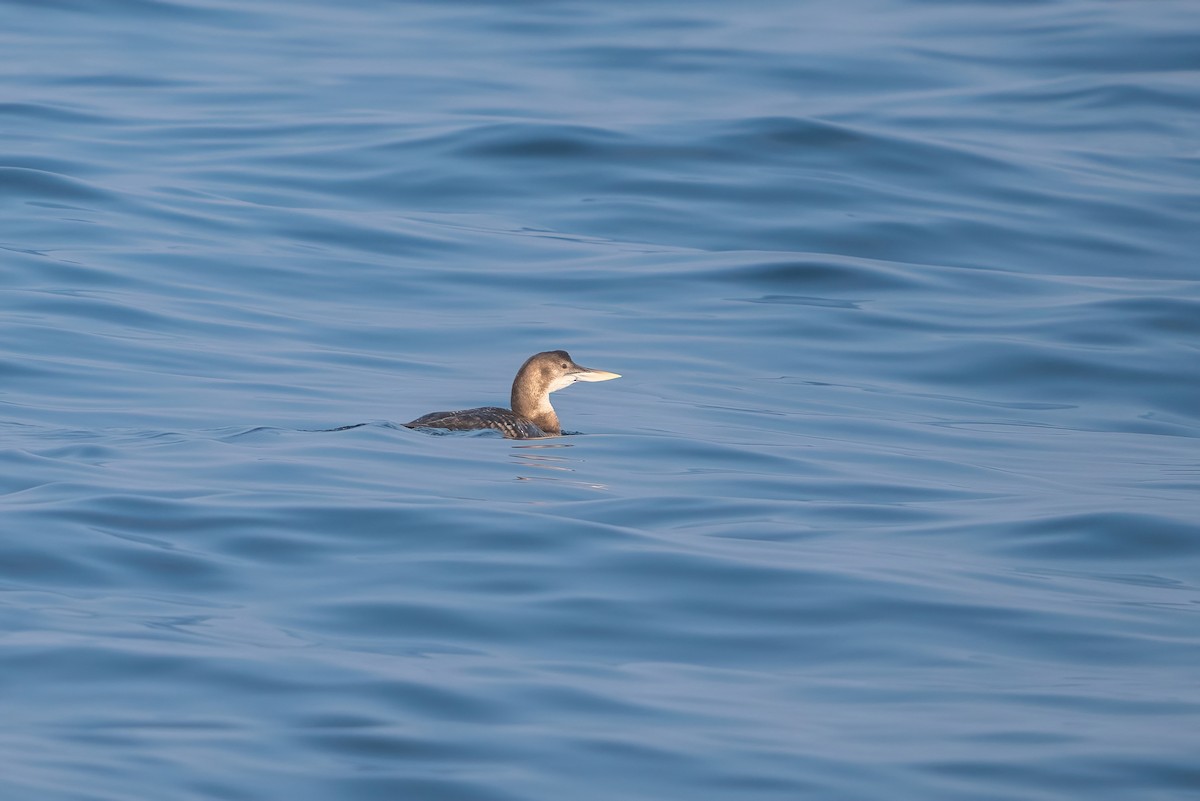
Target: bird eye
<point x="564" y="365"/>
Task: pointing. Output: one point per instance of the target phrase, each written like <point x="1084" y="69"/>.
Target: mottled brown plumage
<point x="531" y="415"/>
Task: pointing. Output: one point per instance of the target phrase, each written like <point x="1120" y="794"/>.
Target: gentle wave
<point x="897" y="495"/>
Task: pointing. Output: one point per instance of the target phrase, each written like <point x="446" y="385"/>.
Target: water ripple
<point x="897" y="495"/>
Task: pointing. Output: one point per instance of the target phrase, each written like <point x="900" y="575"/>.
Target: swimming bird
<point x="531" y="415"/>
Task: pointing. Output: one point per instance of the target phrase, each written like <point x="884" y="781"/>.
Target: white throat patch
<point x="560" y="382"/>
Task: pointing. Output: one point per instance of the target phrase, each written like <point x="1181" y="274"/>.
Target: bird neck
<point x="533" y="403"/>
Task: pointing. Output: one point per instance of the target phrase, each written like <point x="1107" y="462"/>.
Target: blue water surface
<point x="898" y="498"/>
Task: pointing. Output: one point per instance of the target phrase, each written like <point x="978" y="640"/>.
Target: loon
<point x="531" y="415"/>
